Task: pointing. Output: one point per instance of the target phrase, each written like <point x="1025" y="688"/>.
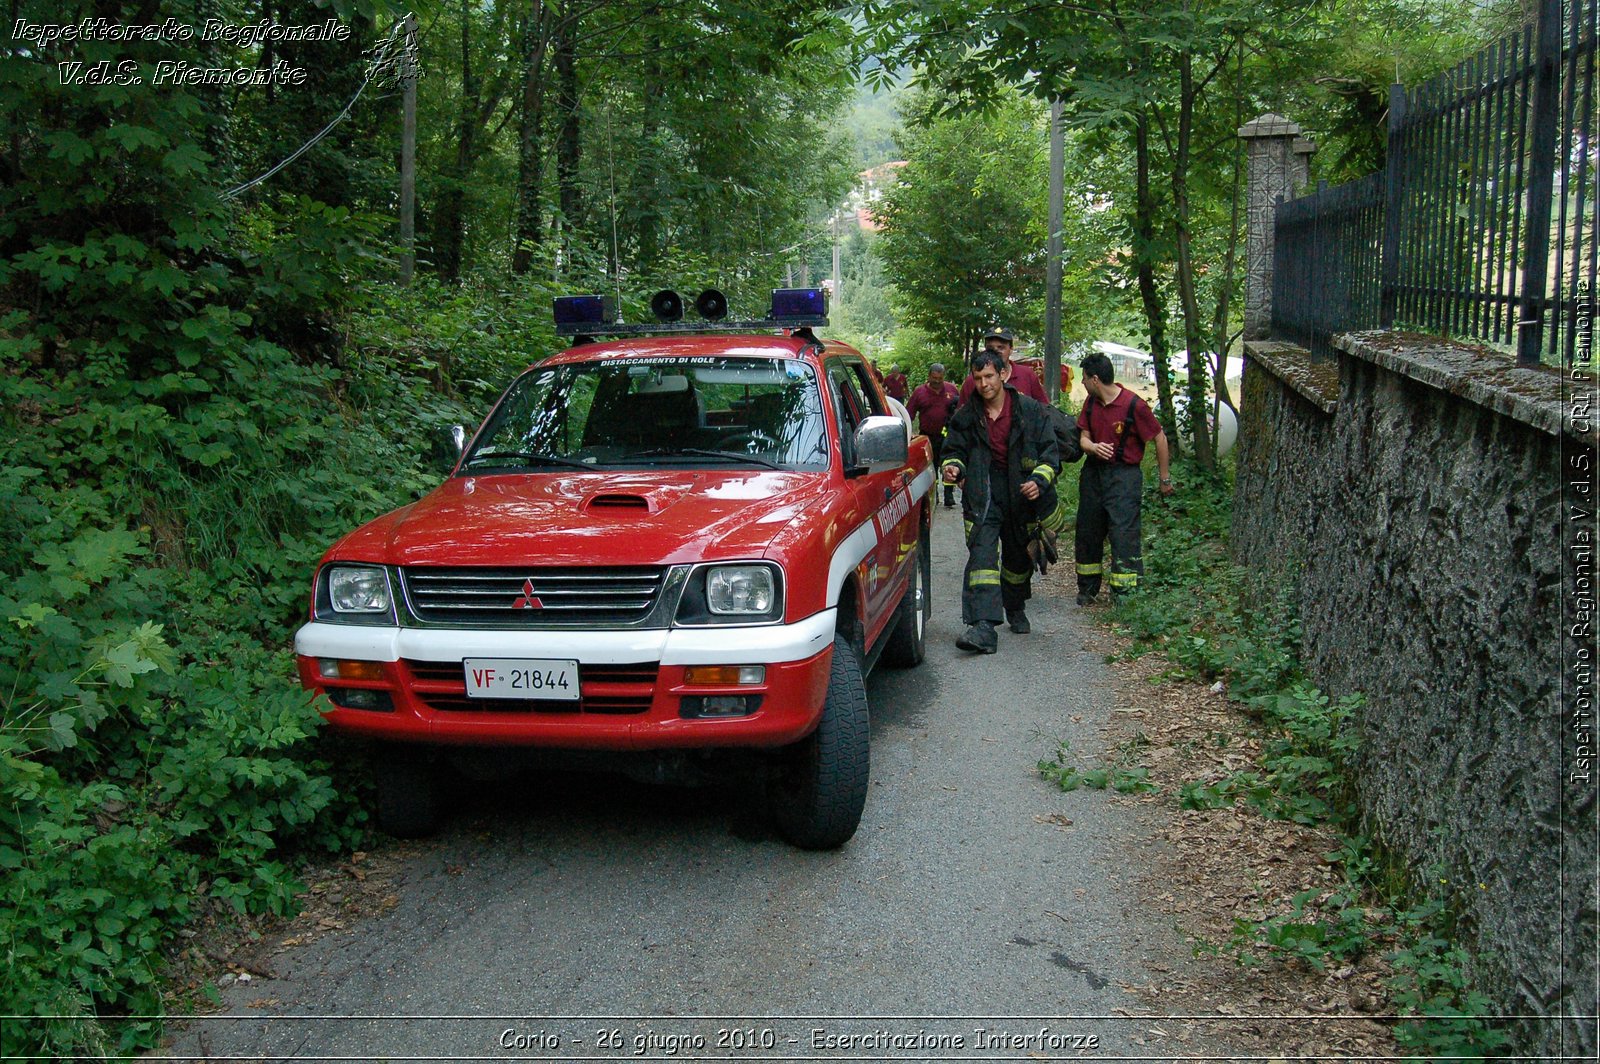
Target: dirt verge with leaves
<point x="1319" y="943"/>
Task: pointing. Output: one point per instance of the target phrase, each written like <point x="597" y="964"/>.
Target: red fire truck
<point x="667" y="547"/>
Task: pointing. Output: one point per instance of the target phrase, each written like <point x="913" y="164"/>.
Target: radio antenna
<point x="616" y="254"/>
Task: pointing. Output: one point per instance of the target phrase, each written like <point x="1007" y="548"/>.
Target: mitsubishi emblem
<point x="528" y="601"/>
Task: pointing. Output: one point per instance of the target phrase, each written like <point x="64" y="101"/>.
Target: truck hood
<point x="575" y="518"/>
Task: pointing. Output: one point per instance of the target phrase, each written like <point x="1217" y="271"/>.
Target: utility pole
<point x="836" y="288"/>
<point x="408" y="152"/>
<point x="1052" y="283"/>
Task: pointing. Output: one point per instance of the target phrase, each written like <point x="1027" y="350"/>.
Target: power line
<point x="386" y="57"/>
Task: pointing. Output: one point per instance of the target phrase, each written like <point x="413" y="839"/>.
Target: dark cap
<point x="997" y="333"/>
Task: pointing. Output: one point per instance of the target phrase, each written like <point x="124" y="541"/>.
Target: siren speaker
<point x="666" y="305"/>
<point x="711" y="305"/>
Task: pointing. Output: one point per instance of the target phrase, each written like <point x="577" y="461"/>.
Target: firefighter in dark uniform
<point x="1115" y="425"/>
<point x="1003" y="444"/>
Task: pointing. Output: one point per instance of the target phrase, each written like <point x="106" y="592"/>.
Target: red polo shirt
<point x="1000" y="429"/>
<point x="932" y="405"/>
<point x="1106" y="423"/>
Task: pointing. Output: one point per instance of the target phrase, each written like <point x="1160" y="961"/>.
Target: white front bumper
<point x="728" y="645"/>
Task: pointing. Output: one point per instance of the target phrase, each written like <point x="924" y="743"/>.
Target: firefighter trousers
<point x="999" y="574"/>
<point x="1108" y="504"/>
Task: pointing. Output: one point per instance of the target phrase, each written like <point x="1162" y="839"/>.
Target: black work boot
<point x="1086" y="598"/>
<point x="981" y="638"/>
<point x="1018" y="621"/>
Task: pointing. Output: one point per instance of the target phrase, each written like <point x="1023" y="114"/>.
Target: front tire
<point x="908" y="642"/>
<point x="819" y="785"/>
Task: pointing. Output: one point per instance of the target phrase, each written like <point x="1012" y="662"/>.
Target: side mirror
<point x="881" y="442"/>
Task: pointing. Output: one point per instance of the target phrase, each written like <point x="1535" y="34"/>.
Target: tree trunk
<point x="1193" y="335"/>
<point x="1221" y="340"/>
<point x="530" y="144"/>
<point x="1144" y="243"/>
<point x="449" y="219"/>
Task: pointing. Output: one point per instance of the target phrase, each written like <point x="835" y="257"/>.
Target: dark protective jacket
<point x="1031" y="449"/>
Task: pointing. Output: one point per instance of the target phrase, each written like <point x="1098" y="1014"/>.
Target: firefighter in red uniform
<point x="1021" y="378"/>
<point x="1003" y="448"/>
<point x="932" y="404"/>
<point x="894" y="382"/>
<point x="1115" y="425"/>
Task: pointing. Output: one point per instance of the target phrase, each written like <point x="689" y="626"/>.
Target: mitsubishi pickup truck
<point x="667" y="546"/>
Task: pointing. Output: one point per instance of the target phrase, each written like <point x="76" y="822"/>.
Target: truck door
<point x="882" y="497"/>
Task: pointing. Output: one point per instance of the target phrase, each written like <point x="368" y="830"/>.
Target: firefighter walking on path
<point x="1003" y="446"/>
<point x="1115" y="425"/>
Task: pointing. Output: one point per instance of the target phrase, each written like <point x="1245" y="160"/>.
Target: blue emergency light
<point x="580" y="310"/>
<point x="792" y="304"/>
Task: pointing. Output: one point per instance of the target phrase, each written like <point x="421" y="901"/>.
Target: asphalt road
<point x="562" y="918"/>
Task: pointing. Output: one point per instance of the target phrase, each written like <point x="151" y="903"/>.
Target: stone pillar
<point x="1279" y="161"/>
<point x="1303" y="150"/>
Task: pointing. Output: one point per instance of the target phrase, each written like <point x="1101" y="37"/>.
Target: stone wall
<point x="1284" y="439"/>
<point x="1429" y="512"/>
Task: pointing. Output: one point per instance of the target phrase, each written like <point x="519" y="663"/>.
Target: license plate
<point x="548" y="679"/>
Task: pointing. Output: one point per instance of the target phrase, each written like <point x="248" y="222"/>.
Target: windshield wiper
<point x="701" y="452"/>
<point x="529" y="458"/>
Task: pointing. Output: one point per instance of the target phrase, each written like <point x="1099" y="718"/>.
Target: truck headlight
<point x="732" y="593"/>
<point x="356" y="594"/>
<point x="358" y="590"/>
<point x="740" y="590"/>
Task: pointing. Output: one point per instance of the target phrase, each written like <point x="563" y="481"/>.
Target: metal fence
<point x="1483" y="224"/>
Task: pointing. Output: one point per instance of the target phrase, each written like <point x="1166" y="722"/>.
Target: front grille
<point x="584" y="597"/>
<point x="601" y="689"/>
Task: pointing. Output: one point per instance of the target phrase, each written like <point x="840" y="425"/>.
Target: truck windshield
<point x="655" y="412"/>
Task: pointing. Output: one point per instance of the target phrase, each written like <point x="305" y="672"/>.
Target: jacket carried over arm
<point x="1031" y="449"/>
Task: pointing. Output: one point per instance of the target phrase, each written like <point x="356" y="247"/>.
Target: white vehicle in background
<point x="1129" y="362"/>
<point x="1227" y="423"/>
<point x="1133" y="365"/>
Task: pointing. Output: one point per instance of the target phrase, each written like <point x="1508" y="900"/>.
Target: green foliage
<point x="874" y="125"/>
<point x="192" y="401"/>
<point x="1433" y="986"/>
<point x="1119" y="776"/>
<point x="861" y="314"/>
<point x="155" y="752"/>
<point x="1306" y="761"/>
<point x="962" y="241"/>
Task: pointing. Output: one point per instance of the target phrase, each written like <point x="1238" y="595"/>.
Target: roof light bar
<point x="594" y="316"/>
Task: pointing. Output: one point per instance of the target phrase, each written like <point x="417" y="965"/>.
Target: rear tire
<point x="408" y="793"/>
<point x="819" y="785"/>
<point x="908" y="642"/>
